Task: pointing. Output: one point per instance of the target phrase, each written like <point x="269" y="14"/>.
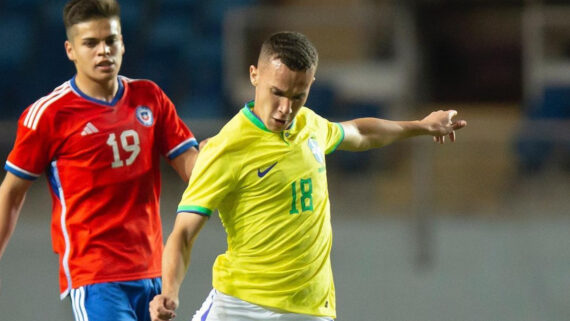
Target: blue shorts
<point x="115" y="301"/>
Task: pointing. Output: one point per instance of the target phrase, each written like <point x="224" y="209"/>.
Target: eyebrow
<point x="95" y="38"/>
<point x="280" y="92"/>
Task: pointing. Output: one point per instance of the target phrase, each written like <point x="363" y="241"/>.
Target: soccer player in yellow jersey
<point x="265" y="172"/>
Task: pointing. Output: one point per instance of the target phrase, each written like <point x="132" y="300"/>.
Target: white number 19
<point x="128" y="145"/>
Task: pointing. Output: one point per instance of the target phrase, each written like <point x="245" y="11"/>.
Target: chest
<point x="106" y="136"/>
<point x="283" y="167"/>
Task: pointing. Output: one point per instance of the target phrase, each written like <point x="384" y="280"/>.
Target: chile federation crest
<point x="144" y="116"/>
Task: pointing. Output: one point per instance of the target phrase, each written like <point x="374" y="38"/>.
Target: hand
<point x="440" y="124"/>
<point x="162" y="308"/>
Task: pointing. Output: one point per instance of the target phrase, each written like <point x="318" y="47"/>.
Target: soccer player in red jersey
<point x="99" y="137"/>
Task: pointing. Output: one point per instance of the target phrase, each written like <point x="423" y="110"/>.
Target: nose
<point x="285" y="106"/>
<point x="104" y="49"/>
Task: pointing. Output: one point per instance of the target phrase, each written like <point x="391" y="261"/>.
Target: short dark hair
<point x="292" y="48"/>
<point x="77" y="11"/>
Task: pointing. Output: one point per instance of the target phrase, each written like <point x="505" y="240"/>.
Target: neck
<point x="101" y="90"/>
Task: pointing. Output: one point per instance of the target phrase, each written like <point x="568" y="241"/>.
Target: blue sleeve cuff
<point x="20" y="172"/>
<point x="182" y="147"/>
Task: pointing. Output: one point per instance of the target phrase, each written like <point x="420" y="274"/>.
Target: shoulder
<point x="140" y="84"/>
<point x="47" y="106"/>
<point x="307" y="117"/>
<point x="146" y="93"/>
<point x="235" y="135"/>
<point x="230" y="135"/>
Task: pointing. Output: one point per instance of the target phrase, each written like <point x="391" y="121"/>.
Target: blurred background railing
<point x="476" y="230"/>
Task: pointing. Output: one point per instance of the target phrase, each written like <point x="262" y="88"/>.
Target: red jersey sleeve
<point x="34" y="147"/>
<point x="174" y="137"/>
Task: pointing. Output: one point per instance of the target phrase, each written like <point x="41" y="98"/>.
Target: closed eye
<point x="277" y="92"/>
<point x="280" y="93"/>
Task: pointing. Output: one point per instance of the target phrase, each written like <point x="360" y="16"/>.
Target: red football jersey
<point x="102" y="160"/>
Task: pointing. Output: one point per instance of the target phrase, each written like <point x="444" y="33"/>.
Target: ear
<point x="69" y="50"/>
<point x="253" y="75"/>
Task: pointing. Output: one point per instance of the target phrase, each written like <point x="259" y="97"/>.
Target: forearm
<point x="177" y="252"/>
<point x="10" y="206"/>
<point x="175" y="263"/>
<point x="368" y="133"/>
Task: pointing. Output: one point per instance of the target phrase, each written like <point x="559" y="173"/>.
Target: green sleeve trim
<point x="194" y="209"/>
<point x="339" y="141"/>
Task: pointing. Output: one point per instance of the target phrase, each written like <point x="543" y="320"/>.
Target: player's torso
<point x="278" y="221"/>
<point x="281" y="192"/>
<point x="102" y="144"/>
<point x="105" y="181"/>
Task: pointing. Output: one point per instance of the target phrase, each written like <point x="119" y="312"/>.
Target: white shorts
<point x="222" y="307"/>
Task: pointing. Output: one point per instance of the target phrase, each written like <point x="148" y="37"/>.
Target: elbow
<point x="370" y="142"/>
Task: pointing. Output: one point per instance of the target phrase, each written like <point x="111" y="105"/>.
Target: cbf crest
<point x="314" y="146"/>
<point x="144" y="116"/>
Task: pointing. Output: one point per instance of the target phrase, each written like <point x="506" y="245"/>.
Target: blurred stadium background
<point x="477" y="230"/>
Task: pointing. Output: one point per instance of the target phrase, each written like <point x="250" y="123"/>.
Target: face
<point x="96" y="47"/>
<point x="279" y="92"/>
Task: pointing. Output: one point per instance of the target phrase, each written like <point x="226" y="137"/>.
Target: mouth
<point x="105" y="65"/>
<point x="280" y="122"/>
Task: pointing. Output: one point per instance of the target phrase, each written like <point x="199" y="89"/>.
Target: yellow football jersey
<point x="271" y="193"/>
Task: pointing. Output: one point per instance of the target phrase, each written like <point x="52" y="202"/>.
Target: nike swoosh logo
<point x="262" y="173"/>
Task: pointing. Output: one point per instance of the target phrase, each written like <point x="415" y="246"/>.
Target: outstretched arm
<point x="175" y="262"/>
<point x="367" y="133"/>
<point x="12" y="193"/>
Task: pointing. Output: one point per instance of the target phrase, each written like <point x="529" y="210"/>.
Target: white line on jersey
<point x="36" y="111"/>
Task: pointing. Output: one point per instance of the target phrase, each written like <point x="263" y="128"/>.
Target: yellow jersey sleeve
<point x="212" y="178"/>
<point x="333" y="133"/>
<point x="335" y="136"/>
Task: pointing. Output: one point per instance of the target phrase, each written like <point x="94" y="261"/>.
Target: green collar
<point x="246" y="110"/>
